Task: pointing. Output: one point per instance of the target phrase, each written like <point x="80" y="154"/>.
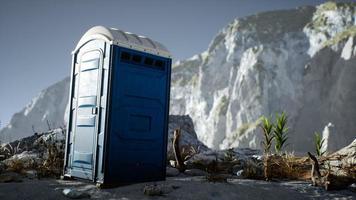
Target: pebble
<point x="31" y="174"/>
<point x="159" y="190"/>
<point x="239" y="173"/>
<point x="153" y="190"/>
<point x="75" y="194"/>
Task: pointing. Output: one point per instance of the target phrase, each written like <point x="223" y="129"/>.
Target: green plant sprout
<point x="280" y="131"/>
<point x="319" y="144"/>
<point x="267" y="128"/>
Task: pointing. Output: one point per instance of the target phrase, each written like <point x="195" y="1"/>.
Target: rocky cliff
<point x="301" y="61"/>
<point x="43" y="113"/>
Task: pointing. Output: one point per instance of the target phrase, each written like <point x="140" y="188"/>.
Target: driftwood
<point x="315" y="174"/>
<point x="329" y="180"/>
<point x="177" y="154"/>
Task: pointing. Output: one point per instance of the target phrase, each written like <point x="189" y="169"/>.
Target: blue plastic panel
<point x="139" y="123"/>
<point x="138" y="117"/>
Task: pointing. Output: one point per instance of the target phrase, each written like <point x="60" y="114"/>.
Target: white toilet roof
<point x="124" y="39"/>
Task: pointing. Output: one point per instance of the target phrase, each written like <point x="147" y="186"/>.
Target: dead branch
<point x="177" y="154"/>
<point x="315" y="171"/>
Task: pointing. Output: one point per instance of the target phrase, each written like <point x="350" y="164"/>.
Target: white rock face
<point x="302" y="61"/>
<point x="329" y="20"/>
<point x="46" y="109"/>
<point x="294" y="61"/>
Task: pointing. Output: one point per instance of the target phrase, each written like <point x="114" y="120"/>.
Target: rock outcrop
<point x="33" y="148"/>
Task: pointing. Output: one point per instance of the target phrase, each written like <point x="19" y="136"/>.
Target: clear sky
<point x="36" y="37"/>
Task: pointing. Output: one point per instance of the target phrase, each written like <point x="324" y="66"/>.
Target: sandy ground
<point x="175" y="188"/>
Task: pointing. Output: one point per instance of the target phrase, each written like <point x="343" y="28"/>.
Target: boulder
<point x="170" y="171"/>
<point x="24" y="160"/>
<point x="189" y="143"/>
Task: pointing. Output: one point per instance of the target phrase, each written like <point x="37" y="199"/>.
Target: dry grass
<point x="253" y="170"/>
<point x="290" y="167"/>
<point x="16" y="166"/>
<point x="351" y="170"/>
<point x="48" y="164"/>
<point x="52" y="165"/>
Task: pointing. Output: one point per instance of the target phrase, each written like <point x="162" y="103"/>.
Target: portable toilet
<point x="119" y="100"/>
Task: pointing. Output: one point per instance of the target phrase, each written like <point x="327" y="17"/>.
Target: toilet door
<point x="85" y="127"/>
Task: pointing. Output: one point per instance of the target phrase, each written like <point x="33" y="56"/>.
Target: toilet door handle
<point x="94" y="110"/>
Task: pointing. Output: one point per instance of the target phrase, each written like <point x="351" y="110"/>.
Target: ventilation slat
<point x="143" y="61"/>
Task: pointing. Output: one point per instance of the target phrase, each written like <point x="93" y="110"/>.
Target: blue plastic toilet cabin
<point x="119" y="100"/>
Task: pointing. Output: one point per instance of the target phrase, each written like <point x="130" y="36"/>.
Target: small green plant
<point x="319" y="143"/>
<point x="267" y="128"/>
<point x="280" y="131"/>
